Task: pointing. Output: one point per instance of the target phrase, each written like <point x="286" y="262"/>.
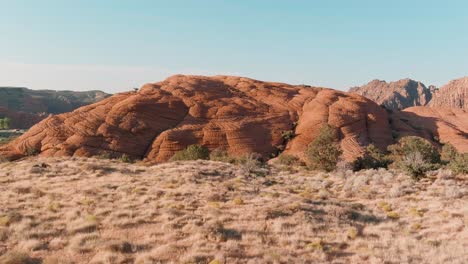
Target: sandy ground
<point x="78" y="210"/>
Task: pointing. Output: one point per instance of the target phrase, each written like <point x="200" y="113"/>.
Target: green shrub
<point x="5" y="123"/>
<point x="415" y="165"/>
<point x="415" y="155"/>
<point x="192" y="152"/>
<point x="126" y="159"/>
<point x="411" y="144"/>
<point x="373" y="158"/>
<point x="324" y="151"/>
<point x="459" y="164"/>
<point x="448" y="153"/>
<point x="288" y="135"/>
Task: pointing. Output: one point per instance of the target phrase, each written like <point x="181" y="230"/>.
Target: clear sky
<point x="114" y="45"/>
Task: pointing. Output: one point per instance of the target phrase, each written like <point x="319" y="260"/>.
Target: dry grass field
<point x="76" y="210"/>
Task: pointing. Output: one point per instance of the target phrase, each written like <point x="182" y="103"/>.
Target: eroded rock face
<point x="238" y="114"/>
<point x="439" y="125"/>
<point x="454" y="95"/>
<point x="395" y="95"/>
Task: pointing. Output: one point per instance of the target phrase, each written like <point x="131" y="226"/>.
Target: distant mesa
<point x="408" y="93"/>
<point x="396" y="95"/>
<point x="437" y="124"/>
<point x="27" y="107"/>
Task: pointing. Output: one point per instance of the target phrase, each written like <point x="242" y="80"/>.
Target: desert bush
<point x="220" y="154"/>
<point x="126" y="159"/>
<point x="415" y="155"/>
<point x="288" y="160"/>
<point x="448" y="153"/>
<point x="5" y="123"/>
<point x="288" y="135"/>
<point x="416" y="165"/>
<point x="459" y="164"/>
<point x="251" y="164"/>
<point x="412" y="144"/>
<point x="373" y="158"/>
<point x="104" y="155"/>
<point x="324" y="151"/>
<point x="192" y="152"/>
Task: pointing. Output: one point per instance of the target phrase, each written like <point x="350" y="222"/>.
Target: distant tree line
<point x="5" y="123"/>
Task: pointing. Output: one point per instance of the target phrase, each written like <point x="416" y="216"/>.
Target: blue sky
<point x="115" y="45"/>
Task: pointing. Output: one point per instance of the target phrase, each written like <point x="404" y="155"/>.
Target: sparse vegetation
<point x="69" y="213"/>
<point x="459" y="164"/>
<point x="324" y="151"/>
<point x="373" y="158"/>
<point x="448" y="153"/>
<point x="252" y="165"/>
<point x="192" y="152"/>
<point x="126" y="159"/>
<point x="288" y="160"/>
<point x="220" y="154"/>
<point x="415" y="155"/>
<point x="288" y="135"/>
<point x="5" y="123"/>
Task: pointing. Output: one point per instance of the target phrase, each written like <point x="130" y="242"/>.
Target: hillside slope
<point x="238" y="114"/>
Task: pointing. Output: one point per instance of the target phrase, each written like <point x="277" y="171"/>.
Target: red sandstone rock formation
<point x="454" y="94"/>
<point x="239" y="114"/>
<point x="395" y="95"/>
<point x="439" y="125"/>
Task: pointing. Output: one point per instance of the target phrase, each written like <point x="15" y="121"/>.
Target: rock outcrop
<point x="27" y="107"/>
<point x="395" y="95"/>
<point x="439" y="125"/>
<point x="453" y="95"/>
<point x="238" y="114"/>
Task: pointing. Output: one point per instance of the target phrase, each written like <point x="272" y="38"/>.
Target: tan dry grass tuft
<point x="105" y="211"/>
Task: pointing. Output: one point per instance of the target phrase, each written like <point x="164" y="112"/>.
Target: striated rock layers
<point x="439" y="125"/>
<point x="453" y="95"/>
<point x="238" y="114"/>
<point x="395" y="95"/>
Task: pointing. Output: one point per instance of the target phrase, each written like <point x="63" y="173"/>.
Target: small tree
<point x="448" y="153"/>
<point x="6" y="123"/>
<point x="324" y="151"/>
<point x="2" y="123"/>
